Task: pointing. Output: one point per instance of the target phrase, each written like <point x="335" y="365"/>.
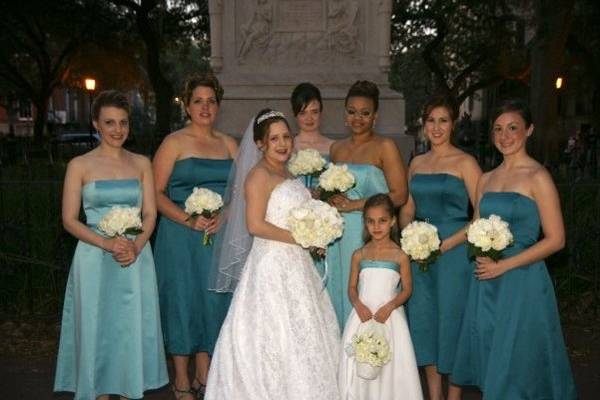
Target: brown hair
<point x="206" y="80"/>
<point x="109" y="98"/>
<point x="261" y="130"/>
<point x="440" y="101"/>
<point x="380" y="200"/>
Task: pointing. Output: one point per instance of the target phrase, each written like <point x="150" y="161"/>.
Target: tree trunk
<point x="553" y="20"/>
<point x="39" y="120"/>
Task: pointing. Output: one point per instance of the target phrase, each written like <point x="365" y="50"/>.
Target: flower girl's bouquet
<point x="370" y="349"/>
<point x="421" y="242"/>
<point x="315" y="224"/>
<point x="120" y="221"/>
<point x="203" y="202"/>
<point x="306" y="162"/>
<point x="335" y="179"/>
<point x="487" y="237"/>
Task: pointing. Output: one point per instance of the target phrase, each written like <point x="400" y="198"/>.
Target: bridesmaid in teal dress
<point x="111" y="340"/>
<point x="511" y="344"/>
<point x="195" y="156"/>
<point x="442" y="185"/>
<point x="307" y="107"/>
<point x="377" y="166"/>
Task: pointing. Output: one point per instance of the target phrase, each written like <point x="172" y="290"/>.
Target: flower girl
<point x="378" y="318"/>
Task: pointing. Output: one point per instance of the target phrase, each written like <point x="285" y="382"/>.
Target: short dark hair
<point x="443" y="101"/>
<point x="206" y="80"/>
<point x="366" y="89"/>
<point x="380" y="200"/>
<point x="261" y="129"/>
<point x="518" y="106"/>
<point x="109" y="98"/>
<point x="303" y="94"/>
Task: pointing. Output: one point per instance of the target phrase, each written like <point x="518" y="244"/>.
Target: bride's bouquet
<point x="120" y="221"/>
<point x="203" y="202"/>
<point x="487" y="237"/>
<point x="315" y="224"/>
<point x="370" y="349"/>
<point x="306" y="162"/>
<point x="421" y="242"/>
<point x="335" y="179"/>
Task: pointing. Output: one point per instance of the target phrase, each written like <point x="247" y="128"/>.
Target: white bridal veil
<point x="233" y="242"/>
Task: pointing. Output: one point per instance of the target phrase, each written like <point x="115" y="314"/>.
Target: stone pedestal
<point x="261" y="49"/>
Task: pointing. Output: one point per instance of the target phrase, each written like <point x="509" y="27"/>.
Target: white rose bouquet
<point x="120" y="221"/>
<point x="315" y="224"/>
<point x="306" y="162"/>
<point x="335" y="179"/>
<point x="370" y="349"/>
<point x="421" y="242"/>
<point x="203" y="202"/>
<point x="487" y="237"/>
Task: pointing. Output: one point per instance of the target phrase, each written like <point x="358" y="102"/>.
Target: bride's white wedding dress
<point x="280" y="339"/>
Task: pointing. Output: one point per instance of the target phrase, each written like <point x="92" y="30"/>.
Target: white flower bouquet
<point x="120" y="221"/>
<point x="487" y="237"/>
<point x="421" y="242"/>
<point x="335" y="179"/>
<point x="370" y="349"/>
<point x="306" y="162"/>
<point x="203" y="202"/>
<point x="315" y="224"/>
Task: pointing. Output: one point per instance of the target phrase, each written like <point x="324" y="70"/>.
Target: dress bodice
<point x="192" y="172"/>
<point x="370" y="180"/>
<point x="101" y="195"/>
<point x="440" y="199"/>
<point x="286" y="195"/>
<point x="519" y="211"/>
<point x="378" y="281"/>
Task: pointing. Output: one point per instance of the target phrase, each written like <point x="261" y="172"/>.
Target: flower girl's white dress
<point x="280" y="339"/>
<point x="398" y="379"/>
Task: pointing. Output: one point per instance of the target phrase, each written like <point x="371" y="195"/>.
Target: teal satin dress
<point x="436" y="306"/>
<point x="191" y="314"/>
<point x="370" y="180"/>
<point x="511" y="345"/>
<point x="110" y="340"/>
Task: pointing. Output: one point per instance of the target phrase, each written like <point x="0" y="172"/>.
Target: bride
<point x="280" y="339"/>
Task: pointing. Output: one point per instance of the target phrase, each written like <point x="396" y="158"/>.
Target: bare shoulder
<point x="540" y="177"/>
<point x="466" y="161"/>
<point x="141" y="161"/>
<point x="229" y="141"/>
<point x="401" y="256"/>
<point x="485" y="177"/>
<point x="417" y="161"/>
<point x="257" y="175"/>
<point x="357" y="255"/>
<point x="172" y="141"/>
<point x="338" y="145"/>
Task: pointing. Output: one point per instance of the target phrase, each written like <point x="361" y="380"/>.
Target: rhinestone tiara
<point x="270" y="114"/>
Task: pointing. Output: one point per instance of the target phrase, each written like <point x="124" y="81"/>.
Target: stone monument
<point x="261" y="49"/>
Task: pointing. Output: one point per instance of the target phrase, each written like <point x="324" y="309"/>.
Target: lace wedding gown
<point x="280" y="339"/>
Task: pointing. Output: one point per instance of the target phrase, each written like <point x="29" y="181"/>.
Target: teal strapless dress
<point x="511" y="344"/>
<point x="369" y="181"/>
<point x="436" y="306"/>
<point x="191" y="314"/>
<point x="110" y="340"/>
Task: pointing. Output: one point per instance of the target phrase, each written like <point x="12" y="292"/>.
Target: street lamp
<point x="90" y="86"/>
<point x="559" y="82"/>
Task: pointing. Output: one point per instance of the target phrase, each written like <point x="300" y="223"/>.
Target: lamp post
<point x="90" y="86"/>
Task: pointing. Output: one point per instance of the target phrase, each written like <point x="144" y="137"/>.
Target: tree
<point x="162" y="25"/>
<point x="457" y="47"/>
<point x="37" y="47"/>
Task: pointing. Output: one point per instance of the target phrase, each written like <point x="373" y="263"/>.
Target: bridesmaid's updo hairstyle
<point x="109" y="98"/>
<point x="303" y="94"/>
<point x="365" y="89"/>
<point x="515" y="106"/>
<point x="207" y="80"/>
<point x="380" y="200"/>
<point x="440" y="101"/>
<point x="263" y="121"/>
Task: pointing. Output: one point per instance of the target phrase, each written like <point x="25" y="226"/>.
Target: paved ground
<point x="27" y="363"/>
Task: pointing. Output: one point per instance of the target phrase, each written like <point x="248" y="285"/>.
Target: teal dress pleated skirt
<point x="110" y="340"/>
<point x="191" y="314"/>
<point x="370" y="180"/>
<point x="436" y="306"/>
<point x="511" y="344"/>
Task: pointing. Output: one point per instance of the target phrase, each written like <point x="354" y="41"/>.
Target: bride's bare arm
<point x="258" y="187"/>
